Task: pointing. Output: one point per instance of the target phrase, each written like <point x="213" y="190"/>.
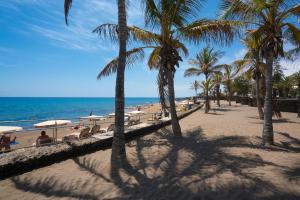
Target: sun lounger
<point x="107" y="129"/>
<point x="165" y="119"/>
<point x="95" y="129"/>
<point x="43" y="142"/>
<point x="84" y="133"/>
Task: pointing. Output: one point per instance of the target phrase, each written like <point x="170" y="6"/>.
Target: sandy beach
<point x="28" y="137"/>
<point x="218" y="158"/>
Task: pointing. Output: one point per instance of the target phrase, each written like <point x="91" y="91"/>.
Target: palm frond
<point x="132" y="56"/>
<point x="217" y="31"/>
<point x="110" y="31"/>
<point x="152" y="13"/>
<point x="154" y="58"/>
<point x="192" y="72"/>
<point x="293" y="33"/>
<point x="107" y="31"/>
<point x="67" y="7"/>
<point x="241" y="10"/>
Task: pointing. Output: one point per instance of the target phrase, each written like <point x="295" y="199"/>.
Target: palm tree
<point x="217" y="80"/>
<point x="207" y="85"/>
<point x="254" y="68"/>
<point x="170" y="19"/>
<point x="230" y="72"/>
<point x="195" y="86"/>
<point x="118" y="146"/>
<point x="273" y="25"/>
<point x="205" y="63"/>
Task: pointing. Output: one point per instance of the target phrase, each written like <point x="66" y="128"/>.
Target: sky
<point x="42" y="57"/>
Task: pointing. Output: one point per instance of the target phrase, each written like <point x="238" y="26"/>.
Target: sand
<point x="28" y="137"/>
<point x="218" y="158"/>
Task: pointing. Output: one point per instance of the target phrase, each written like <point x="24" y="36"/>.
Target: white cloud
<point x="85" y="15"/>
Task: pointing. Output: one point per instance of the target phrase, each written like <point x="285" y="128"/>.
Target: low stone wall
<point x="288" y="105"/>
<point x="24" y="160"/>
<point x="244" y="100"/>
<point x="285" y="105"/>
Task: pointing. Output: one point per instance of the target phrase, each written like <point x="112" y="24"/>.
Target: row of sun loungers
<point x="99" y="133"/>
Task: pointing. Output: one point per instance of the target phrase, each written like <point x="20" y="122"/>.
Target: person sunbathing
<point x="43" y="138"/>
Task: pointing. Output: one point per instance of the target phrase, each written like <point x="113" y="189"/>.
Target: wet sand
<point x="219" y="157"/>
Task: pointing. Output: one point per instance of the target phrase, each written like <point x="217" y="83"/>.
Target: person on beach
<point x="5" y="141"/>
<point x="43" y="138"/>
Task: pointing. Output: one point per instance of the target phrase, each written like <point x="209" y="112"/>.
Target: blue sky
<point x="41" y="56"/>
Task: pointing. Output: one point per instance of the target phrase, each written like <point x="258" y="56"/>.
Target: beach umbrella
<point x="52" y="124"/>
<point x="94" y="118"/>
<point x="9" y="129"/>
<point x="113" y="114"/>
<point x="137" y="112"/>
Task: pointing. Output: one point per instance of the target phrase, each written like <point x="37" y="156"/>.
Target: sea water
<point x="36" y="109"/>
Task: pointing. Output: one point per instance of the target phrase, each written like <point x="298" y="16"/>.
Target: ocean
<point x="36" y="109"/>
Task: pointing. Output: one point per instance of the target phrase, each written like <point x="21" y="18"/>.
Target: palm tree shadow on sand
<point x="189" y="168"/>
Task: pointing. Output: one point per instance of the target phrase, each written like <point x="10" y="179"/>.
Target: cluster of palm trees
<point x="171" y="23"/>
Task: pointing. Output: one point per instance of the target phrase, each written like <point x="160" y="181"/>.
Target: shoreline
<point x="27" y="137"/>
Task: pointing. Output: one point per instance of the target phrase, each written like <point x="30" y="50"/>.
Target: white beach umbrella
<point x="183" y="102"/>
<point x="93" y="118"/>
<point x="99" y="117"/>
<point x="52" y="124"/>
<point x="9" y="129"/>
<point x="113" y="114"/>
<point x="136" y="112"/>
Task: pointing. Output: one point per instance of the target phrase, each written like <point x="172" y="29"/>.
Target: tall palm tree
<point x="207" y="85"/>
<point x="205" y="63"/>
<point x="195" y="86"/>
<point x="217" y="80"/>
<point x="230" y="72"/>
<point x="254" y="68"/>
<point x="169" y="21"/>
<point x="272" y="23"/>
<point x="118" y="146"/>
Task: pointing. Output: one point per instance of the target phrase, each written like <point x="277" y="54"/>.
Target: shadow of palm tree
<point x="184" y="169"/>
<point x="53" y="187"/>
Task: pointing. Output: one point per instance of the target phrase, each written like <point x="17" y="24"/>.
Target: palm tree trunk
<point x="206" y="101"/>
<point x="229" y="94"/>
<point x="174" y="119"/>
<point x="218" y="95"/>
<point x="206" y="95"/>
<point x="298" y="95"/>
<point x="258" y="101"/>
<point x="267" y="135"/>
<point x="118" y="145"/>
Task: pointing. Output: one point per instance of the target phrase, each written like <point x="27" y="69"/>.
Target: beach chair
<point x="95" y="129"/>
<point x="44" y="142"/>
<point x="107" y="129"/>
<point x="84" y="133"/>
